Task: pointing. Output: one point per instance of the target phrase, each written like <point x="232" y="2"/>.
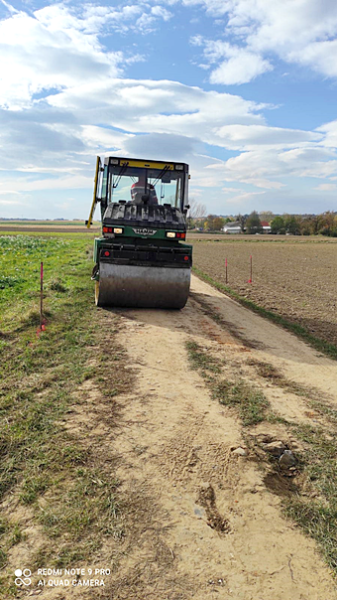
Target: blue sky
<point x="243" y="90"/>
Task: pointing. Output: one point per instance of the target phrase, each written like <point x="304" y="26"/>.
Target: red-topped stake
<point x="250" y="280"/>
<point x="41" y="298"/>
<point x="226" y="264"/>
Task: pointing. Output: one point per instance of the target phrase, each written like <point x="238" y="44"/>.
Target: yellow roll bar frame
<point x="94" y="199"/>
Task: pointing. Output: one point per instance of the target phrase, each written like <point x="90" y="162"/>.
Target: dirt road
<point x="200" y="510"/>
<point x="203" y="522"/>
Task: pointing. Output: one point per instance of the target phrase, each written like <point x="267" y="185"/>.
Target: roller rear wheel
<point x="136" y="286"/>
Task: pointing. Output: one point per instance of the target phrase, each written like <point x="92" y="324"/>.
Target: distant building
<point x="266" y="227"/>
<point x="232" y="227"/>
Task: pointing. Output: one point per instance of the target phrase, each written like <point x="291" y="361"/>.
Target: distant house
<point x="232" y="227"/>
<point x="266" y="227"/>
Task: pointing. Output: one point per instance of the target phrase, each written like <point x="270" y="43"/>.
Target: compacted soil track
<point x="200" y="511"/>
<point x="203" y="524"/>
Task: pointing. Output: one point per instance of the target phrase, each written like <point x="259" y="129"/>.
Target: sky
<point x="244" y="91"/>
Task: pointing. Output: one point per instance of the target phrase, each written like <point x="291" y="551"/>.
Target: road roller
<point x="141" y="259"/>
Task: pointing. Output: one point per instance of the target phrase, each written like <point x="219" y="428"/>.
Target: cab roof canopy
<point x="147" y="164"/>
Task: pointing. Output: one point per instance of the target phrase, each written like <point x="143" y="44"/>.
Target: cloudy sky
<point x="245" y="91"/>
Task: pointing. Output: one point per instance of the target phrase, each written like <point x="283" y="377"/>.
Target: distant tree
<point x="305" y="226"/>
<point x="218" y="223"/>
<point x="214" y="223"/>
<point x="292" y="224"/>
<point x="310" y="224"/>
<point x="242" y="220"/>
<point x="253" y="223"/>
<point x="197" y="210"/>
<point x="327" y="224"/>
<point x="209" y="223"/>
<point x="277" y="225"/>
<point x="266" y="215"/>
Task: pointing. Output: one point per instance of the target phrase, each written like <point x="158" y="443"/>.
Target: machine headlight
<point x="118" y="229"/>
<point x="170" y="234"/>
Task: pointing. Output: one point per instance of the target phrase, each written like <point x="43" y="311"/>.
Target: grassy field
<point x="70" y="495"/>
<point x="294" y="278"/>
<point x="31" y="223"/>
<point x="47" y="229"/>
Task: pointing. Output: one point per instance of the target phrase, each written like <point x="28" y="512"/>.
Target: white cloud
<point x="229" y="190"/>
<point x="101" y="139"/>
<point x="120" y="19"/>
<point x="330" y="134"/>
<point x="241" y="67"/>
<point x="161" y="12"/>
<point x="49" y="50"/>
<point x="242" y="199"/>
<point x="145" y="23"/>
<point x="164" y="119"/>
<point x="57" y="47"/>
<point x="9" y="193"/>
<point x="164" y="146"/>
<point x="272" y="168"/>
<point x="316" y="162"/>
<point x="197" y="40"/>
<point x="318" y="55"/>
<point x="326" y="187"/>
<point x="165" y="107"/>
<point x="237" y="65"/>
<point x="245" y="137"/>
<point x="297" y="31"/>
<point x="56" y="183"/>
<point x="11" y="203"/>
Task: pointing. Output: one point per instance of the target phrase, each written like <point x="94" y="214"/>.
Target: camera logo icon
<point x="23" y="577"/>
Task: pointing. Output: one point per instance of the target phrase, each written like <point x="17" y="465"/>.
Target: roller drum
<point x="142" y="286"/>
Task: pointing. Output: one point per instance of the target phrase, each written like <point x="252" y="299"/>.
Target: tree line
<point x="322" y="224"/>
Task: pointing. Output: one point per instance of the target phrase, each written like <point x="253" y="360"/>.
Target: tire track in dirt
<point x="273" y="344"/>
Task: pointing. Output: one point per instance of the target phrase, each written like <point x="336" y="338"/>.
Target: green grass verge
<point x="40" y="375"/>
<point x="250" y="402"/>
<point x="318" y="516"/>
<point x="317" y="343"/>
<point x="203" y="361"/>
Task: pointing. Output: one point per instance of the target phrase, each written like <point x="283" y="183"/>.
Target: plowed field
<point x="296" y="279"/>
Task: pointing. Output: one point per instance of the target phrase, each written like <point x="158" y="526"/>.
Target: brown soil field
<point x="293" y="277"/>
<point x="202" y="237"/>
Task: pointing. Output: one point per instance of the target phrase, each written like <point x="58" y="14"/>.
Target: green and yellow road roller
<point x="141" y="259"/>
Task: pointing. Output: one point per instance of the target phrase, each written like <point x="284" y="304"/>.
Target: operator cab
<point x="142" y="183"/>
